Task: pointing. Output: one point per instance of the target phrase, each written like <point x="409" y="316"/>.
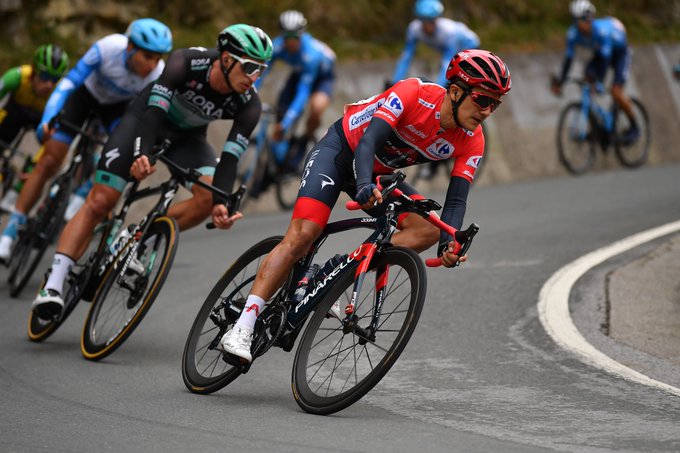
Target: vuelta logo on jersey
<point x="473" y="161"/>
<point x="394" y="104"/>
<point x="441" y="148"/>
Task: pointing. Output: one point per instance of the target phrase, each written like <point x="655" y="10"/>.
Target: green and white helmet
<point x="51" y="59"/>
<point x="245" y="40"/>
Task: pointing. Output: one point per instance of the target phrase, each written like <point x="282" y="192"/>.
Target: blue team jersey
<point x="105" y="72"/>
<point x="608" y="35"/>
<point x="449" y="38"/>
<point x="314" y="59"/>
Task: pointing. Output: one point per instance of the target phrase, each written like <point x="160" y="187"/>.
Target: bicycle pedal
<point x="236" y="361"/>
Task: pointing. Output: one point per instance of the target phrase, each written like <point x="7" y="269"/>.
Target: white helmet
<point x="292" y="21"/>
<point x="581" y="9"/>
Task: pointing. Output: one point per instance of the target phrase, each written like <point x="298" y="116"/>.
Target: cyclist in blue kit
<point x="103" y="82"/>
<point x="446" y="36"/>
<point x="606" y="36"/>
<point x="310" y="82"/>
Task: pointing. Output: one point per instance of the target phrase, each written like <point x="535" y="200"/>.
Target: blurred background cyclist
<point x="606" y="36"/>
<point x="446" y="36"/>
<point x="103" y="82"/>
<point x="310" y="83"/>
<point x="26" y="89"/>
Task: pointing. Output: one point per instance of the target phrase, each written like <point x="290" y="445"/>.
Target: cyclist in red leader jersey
<point x="413" y="122"/>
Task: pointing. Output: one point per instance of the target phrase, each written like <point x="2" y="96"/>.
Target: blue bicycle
<point x="588" y="124"/>
<point x="267" y="162"/>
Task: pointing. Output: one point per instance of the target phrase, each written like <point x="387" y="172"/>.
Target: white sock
<point x="249" y="314"/>
<point x="60" y="267"/>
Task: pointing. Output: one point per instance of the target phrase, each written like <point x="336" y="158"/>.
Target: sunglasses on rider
<point x="483" y="101"/>
<point x="250" y="67"/>
<point x="47" y="77"/>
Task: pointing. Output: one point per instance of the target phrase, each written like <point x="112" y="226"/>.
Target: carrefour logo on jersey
<point x="363" y="116"/>
<point x="394" y="104"/>
<point x="441" y="148"/>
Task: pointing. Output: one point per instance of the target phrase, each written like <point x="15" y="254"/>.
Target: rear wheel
<point x="576" y="140"/>
<point x="287" y="187"/>
<point x="633" y="154"/>
<point x="128" y="289"/>
<point x="336" y="365"/>
<point x="40" y="329"/>
<point x="203" y="369"/>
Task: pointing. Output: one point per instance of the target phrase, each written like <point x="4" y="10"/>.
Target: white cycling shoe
<point x="6" y="243"/>
<point x="238" y="342"/>
<point x="48" y="304"/>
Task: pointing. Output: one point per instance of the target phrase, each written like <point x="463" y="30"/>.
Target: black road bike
<point x="43" y="228"/>
<point x="126" y="266"/>
<point x="9" y="173"/>
<point x="360" y="310"/>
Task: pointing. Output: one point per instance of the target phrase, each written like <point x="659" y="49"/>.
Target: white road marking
<point x="553" y="307"/>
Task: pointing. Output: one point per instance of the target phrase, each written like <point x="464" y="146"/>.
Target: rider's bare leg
<point x="194" y="210"/>
<point x="78" y="231"/>
<point x="49" y="164"/>
<point x="416" y="233"/>
<point x="275" y="268"/>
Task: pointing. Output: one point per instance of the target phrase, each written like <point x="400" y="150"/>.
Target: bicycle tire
<point x="40" y="329"/>
<point x="321" y="380"/>
<point x="287" y="187"/>
<point x="117" y="308"/>
<point x="576" y="146"/>
<point x="635" y="154"/>
<point x="203" y="369"/>
<point x="40" y="233"/>
<point x="8" y="179"/>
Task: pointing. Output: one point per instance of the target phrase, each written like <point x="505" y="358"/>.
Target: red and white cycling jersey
<point x="413" y="109"/>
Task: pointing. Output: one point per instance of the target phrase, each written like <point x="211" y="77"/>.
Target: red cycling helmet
<point x="475" y="67"/>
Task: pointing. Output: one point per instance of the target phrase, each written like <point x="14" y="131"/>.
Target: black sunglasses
<point x="47" y="77"/>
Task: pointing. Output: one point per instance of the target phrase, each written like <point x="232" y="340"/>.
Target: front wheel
<point x="203" y="369"/>
<point x="576" y="140"/>
<point x="128" y="288"/>
<point x="336" y="365"/>
<point x="634" y="153"/>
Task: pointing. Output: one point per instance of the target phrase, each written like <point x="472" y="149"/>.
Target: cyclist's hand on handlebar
<point x="221" y="217"/>
<point x="277" y="135"/>
<point x="368" y="196"/>
<point x="141" y="168"/>
<point x="450" y="254"/>
<point x="556" y="89"/>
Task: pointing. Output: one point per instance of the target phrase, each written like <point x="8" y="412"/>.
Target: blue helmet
<point x="428" y="9"/>
<point x="150" y="34"/>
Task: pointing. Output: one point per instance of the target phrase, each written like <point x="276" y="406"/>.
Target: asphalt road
<point x="480" y="373"/>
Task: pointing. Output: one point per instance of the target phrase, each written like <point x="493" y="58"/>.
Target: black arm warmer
<point x="225" y="175"/>
<point x="149" y="123"/>
<point x="454" y="208"/>
<point x="376" y="135"/>
<point x="173" y="75"/>
<point x="565" y="69"/>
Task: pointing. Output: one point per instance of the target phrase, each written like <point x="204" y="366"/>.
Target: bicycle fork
<point x="367" y="251"/>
